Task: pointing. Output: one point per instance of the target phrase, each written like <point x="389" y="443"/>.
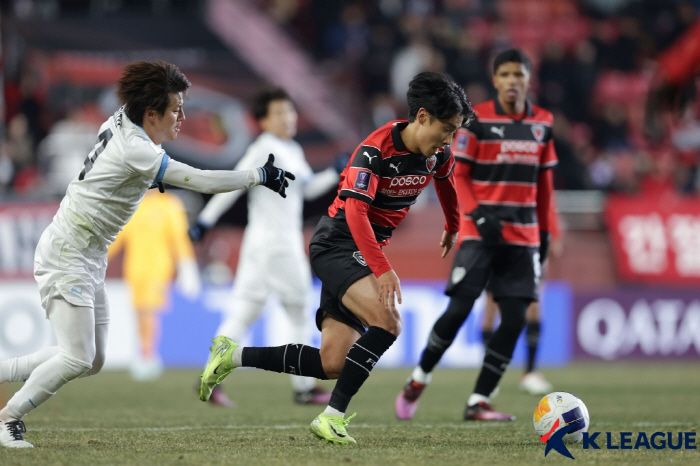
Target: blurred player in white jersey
<point x="273" y="258"/>
<point x="71" y="257"/>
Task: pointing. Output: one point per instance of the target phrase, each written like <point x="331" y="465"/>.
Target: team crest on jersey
<point x="430" y="163"/>
<point x="538" y="132"/>
<point x="358" y="257"/>
<point x="362" y="180"/>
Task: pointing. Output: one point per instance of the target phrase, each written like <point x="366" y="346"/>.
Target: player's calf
<point x="333" y="361"/>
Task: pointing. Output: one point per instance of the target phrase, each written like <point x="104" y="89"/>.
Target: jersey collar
<point x="396" y="136"/>
<point x="528" y="109"/>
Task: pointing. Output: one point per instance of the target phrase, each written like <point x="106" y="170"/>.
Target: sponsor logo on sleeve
<point x="461" y="142"/>
<point x="362" y="181"/>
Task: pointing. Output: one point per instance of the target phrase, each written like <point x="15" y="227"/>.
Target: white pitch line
<point x="258" y="427"/>
<point x="354" y="426"/>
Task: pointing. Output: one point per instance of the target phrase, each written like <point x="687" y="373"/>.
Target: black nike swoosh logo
<point x="336" y="432"/>
<point x="217" y="368"/>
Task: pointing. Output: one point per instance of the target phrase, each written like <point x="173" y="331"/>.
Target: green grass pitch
<point x="109" y="419"/>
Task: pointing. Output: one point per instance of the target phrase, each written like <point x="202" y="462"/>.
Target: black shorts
<point x="338" y="263"/>
<point x="489" y="285"/>
<point x="510" y="271"/>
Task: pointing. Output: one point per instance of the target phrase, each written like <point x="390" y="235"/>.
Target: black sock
<point x="444" y="331"/>
<point x="486" y="336"/>
<point x="359" y="362"/>
<point x="500" y="348"/>
<point x="532" y="332"/>
<point x="292" y="359"/>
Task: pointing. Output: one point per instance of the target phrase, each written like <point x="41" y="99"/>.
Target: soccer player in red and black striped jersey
<point x="532" y="381"/>
<point x="505" y="187"/>
<point x="357" y="315"/>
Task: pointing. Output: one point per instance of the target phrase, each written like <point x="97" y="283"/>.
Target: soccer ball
<point x="558" y="410"/>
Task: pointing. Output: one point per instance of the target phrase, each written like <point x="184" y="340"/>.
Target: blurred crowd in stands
<point x="594" y="61"/>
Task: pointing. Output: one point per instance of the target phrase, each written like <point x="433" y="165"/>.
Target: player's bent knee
<point x="389" y="321"/>
<point x="97" y="365"/>
<point x="393" y="326"/>
<point x="332" y="363"/>
<point x="72" y="367"/>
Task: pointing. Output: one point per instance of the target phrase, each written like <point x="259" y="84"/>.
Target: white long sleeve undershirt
<point x="209" y="181"/>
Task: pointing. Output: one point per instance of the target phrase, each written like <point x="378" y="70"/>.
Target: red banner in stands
<point x="656" y="239"/>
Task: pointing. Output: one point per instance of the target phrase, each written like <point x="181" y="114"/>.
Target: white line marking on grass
<point x="647" y="424"/>
<point x="258" y="427"/>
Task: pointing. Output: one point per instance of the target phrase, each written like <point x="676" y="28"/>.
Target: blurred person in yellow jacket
<point x="156" y="249"/>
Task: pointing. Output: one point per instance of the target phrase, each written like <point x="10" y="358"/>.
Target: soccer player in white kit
<point x="272" y="258"/>
<point x="71" y="257"/>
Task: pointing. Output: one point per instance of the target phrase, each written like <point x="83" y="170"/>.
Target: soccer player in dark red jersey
<point x="505" y="187"/>
<point x="357" y="315"/>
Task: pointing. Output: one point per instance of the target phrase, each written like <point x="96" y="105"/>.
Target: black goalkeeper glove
<point x="275" y="178"/>
<point x="197" y="231"/>
<point x="544" y="245"/>
<point x="489" y="227"/>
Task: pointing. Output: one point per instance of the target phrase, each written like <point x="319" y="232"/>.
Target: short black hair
<point x="260" y="103"/>
<point x="149" y="85"/>
<point x="439" y="95"/>
<point x="512" y="56"/>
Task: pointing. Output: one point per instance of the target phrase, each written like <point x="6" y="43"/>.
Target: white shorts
<point x="61" y="270"/>
<point x="285" y="273"/>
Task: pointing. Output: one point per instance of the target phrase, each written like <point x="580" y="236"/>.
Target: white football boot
<point x="534" y="383"/>
<point x="11" y="434"/>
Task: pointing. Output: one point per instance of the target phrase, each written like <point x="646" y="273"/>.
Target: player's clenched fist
<point x="275" y="178"/>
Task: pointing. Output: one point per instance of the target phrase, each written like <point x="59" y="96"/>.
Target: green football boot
<point x="332" y="429"/>
<point x="218" y="367"/>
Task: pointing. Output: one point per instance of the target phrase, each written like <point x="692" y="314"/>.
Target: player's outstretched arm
<point x="221" y="181"/>
<point x="326" y="180"/>
<point x="211" y="213"/>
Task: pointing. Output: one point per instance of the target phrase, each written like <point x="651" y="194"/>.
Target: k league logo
<point x="555" y="441"/>
<point x="627" y="441"/>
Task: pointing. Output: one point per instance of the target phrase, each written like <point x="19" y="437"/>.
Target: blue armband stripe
<point x="161" y="170"/>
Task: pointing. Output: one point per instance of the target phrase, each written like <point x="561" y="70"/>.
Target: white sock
<point x="333" y="412"/>
<point x="420" y="376"/>
<point x="19" y="369"/>
<point x="45" y="381"/>
<point x="475" y="398"/>
<point x="237" y="356"/>
<point x="302" y="384"/>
